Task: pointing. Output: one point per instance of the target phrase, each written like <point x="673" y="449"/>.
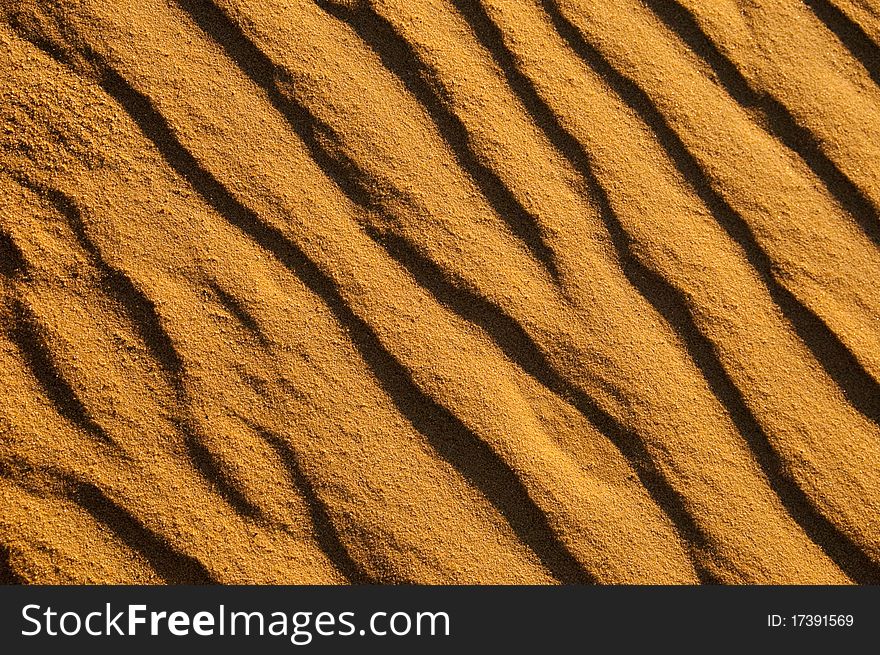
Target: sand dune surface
<point x="449" y="291"/>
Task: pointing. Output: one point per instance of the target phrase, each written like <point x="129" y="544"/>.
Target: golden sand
<point x="447" y="291"/>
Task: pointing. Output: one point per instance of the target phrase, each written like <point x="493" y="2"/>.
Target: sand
<point x="381" y="291"/>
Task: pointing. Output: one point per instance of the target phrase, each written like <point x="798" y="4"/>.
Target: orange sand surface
<point x="440" y="291"/>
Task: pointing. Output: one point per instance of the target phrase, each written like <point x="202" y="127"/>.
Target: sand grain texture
<point x="459" y="291"/>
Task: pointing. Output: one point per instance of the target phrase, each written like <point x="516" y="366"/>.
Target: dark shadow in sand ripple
<point x="28" y="336"/>
<point x="170" y="564"/>
<point x="325" y="532"/>
<point x="850" y="34"/>
<point x="8" y="576"/>
<point x="11" y="258"/>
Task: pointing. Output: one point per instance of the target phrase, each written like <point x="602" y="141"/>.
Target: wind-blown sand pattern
<point x="459" y="291"/>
